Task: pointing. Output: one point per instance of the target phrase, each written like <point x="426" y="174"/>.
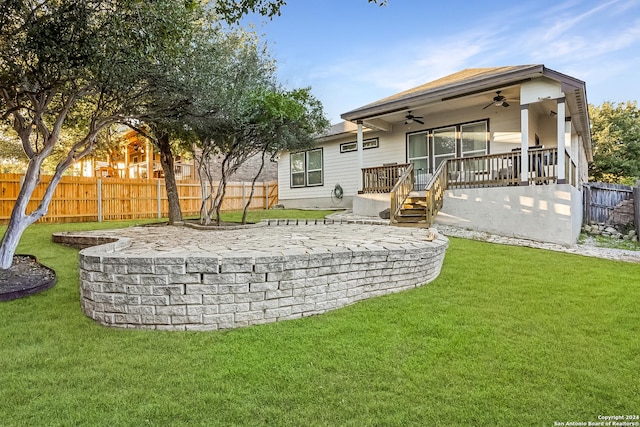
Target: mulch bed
<point x="25" y="277"/>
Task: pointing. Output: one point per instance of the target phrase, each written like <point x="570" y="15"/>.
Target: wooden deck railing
<point x="499" y="170"/>
<point x="400" y="192"/>
<point x="570" y="170"/>
<point x="434" y="190"/>
<point x="382" y="179"/>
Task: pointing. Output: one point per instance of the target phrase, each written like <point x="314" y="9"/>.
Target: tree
<point x="284" y="120"/>
<point x="59" y="58"/>
<point x="615" y="132"/>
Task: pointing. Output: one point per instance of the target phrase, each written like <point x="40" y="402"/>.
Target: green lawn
<point x="505" y="336"/>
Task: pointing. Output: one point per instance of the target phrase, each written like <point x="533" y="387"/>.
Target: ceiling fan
<point x="410" y="118"/>
<point x="498" y="101"/>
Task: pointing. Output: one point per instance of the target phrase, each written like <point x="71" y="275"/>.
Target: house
<point x="133" y="157"/>
<point x="503" y="150"/>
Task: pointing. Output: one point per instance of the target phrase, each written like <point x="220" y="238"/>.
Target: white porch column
<point x="360" y="156"/>
<point x="524" y="146"/>
<point x="561" y="145"/>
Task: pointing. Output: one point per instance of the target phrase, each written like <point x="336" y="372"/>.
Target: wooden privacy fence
<point x="600" y="198"/>
<point x="78" y="199"/>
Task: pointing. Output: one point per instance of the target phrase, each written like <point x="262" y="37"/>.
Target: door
<point x="418" y="154"/>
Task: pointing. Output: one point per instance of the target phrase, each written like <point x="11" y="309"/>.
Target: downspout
<point x="360" y="156"/>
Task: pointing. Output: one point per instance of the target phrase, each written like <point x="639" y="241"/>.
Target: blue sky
<point x="352" y="53"/>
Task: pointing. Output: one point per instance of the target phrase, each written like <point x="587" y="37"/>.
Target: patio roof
<point x="470" y="82"/>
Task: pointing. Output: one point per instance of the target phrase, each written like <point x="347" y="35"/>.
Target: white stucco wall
<point x="548" y="213"/>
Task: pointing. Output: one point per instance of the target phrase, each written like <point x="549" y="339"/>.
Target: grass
<point x="505" y="336"/>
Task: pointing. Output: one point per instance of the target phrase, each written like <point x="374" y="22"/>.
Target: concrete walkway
<point x="585" y="249"/>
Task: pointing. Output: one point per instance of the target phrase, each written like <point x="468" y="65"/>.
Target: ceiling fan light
<point x="409" y="121"/>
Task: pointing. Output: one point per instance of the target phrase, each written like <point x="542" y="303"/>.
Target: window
<point x="306" y="168"/>
<point x="353" y="146"/>
<point x="474" y="139"/>
<point x="427" y="149"/>
<point x="444" y="145"/>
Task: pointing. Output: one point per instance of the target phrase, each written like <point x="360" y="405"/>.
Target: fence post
<point x="636" y="208"/>
<point x="158" y="201"/>
<point x="243" y="195"/>
<point x="99" y="199"/>
<point x="266" y="195"/>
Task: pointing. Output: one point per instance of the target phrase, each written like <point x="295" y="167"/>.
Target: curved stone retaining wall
<point x="216" y="292"/>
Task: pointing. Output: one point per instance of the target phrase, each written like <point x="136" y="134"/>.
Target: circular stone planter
<point x="178" y="278"/>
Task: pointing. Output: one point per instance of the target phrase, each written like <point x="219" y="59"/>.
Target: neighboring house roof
<point x="473" y="81"/>
<point x="339" y="130"/>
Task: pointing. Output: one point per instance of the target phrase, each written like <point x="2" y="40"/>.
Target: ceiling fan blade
<point x="488" y="105"/>
<point x="419" y="121"/>
<point x="505" y="104"/>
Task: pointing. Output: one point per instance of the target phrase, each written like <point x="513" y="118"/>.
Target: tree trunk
<point x="166" y="160"/>
<point x="253" y="188"/>
<point x="19" y="220"/>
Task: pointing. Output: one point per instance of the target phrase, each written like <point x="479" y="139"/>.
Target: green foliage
<point x="616" y="138"/>
<point x="502" y="332"/>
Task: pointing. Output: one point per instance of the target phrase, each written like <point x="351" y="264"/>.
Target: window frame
<point x="305" y="168"/>
<point x="367" y="144"/>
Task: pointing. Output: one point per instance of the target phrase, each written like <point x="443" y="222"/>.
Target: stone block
<point x="250" y="277"/>
<point x="185" y="299"/>
<point x="126" y="299"/>
<point x="280" y="293"/>
<point x="190" y="278"/>
<point x="139" y="290"/>
<point x="142" y="309"/>
<point x="169" y="269"/>
<point x="227" y="267"/>
<point x="284" y="302"/>
<point x="217" y="299"/>
<point x="292" y="284"/>
<point x="154" y="280"/>
<point x="169" y="261"/>
<point x="233" y="289"/>
<point x="129" y="279"/>
<point x="181" y="320"/>
<point x="172" y="310"/>
<point x="249" y="316"/>
<point x="115" y="268"/>
<point x="102" y="277"/>
<point x="202" y="265"/>
<point x="168" y="290"/>
<point x="115" y="308"/>
<point x="103" y="298"/>
<point x="218" y="279"/>
<point x="201" y="289"/>
<point x="127" y="318"/>
<point x="114" y="287"/>
<point x="261" y="287"/>
<point x="154" y="300"/>
<point x="249" y="297"/>
<point x="224" y="321"/>
<point x="264" y="305"/>
<point x="277" y="312"/>
<point x="233" y="308"/>
<point x="271" y="267"/>
<point x="193" y="310"/>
